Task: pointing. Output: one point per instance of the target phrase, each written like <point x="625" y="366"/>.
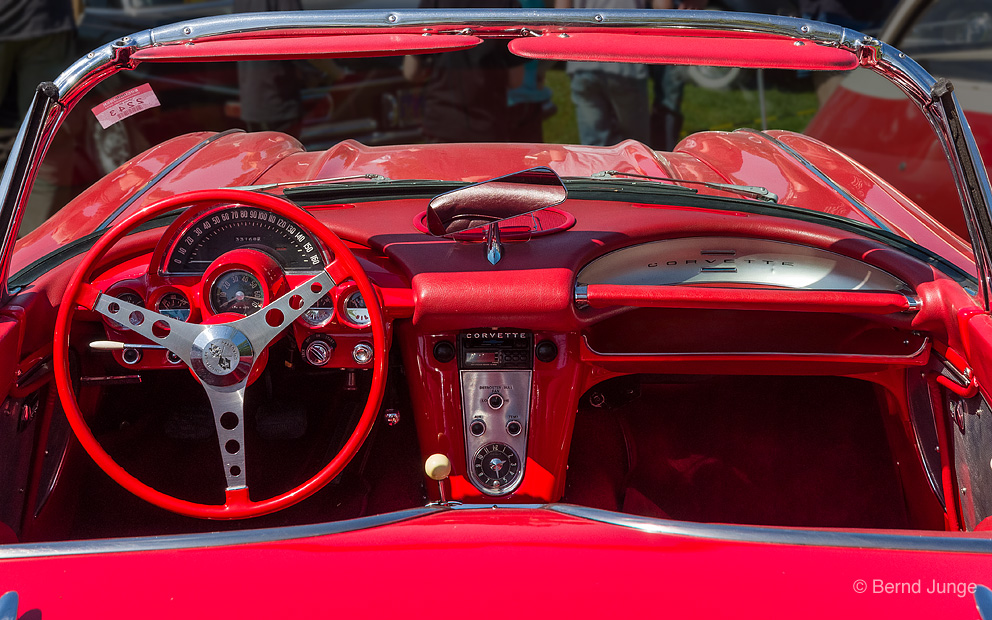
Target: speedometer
<point x="229" y="228"/>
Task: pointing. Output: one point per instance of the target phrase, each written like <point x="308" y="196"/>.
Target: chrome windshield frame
<point x="934" y="98"/>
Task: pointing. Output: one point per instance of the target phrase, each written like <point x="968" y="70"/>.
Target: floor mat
<point x="789" y="451"/>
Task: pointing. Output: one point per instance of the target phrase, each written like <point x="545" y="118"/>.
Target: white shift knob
<point x="437" y="467"/>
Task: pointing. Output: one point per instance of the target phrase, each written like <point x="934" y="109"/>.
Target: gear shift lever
<point x="437" y="468"/>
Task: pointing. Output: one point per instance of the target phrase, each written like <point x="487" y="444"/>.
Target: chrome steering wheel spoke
<point x="176" y="336"/>
<point x="263" y="326"/>
<point x="228" y="412"/>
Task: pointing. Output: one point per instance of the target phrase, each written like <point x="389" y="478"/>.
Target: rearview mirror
<point x="495" y="200"/>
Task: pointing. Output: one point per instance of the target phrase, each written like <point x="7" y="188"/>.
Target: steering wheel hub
<point x="222" y="356"/>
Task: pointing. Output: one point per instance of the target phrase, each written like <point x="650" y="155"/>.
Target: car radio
<point x="496" y="350"/>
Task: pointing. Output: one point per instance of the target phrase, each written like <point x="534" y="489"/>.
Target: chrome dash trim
<point x="805" y="163"/>
<point x="581" y="295"/>
<point x="210" y="540"/>
<point x="910" y="541"/>
<point x="152" y="182"/>
<point x="857" y="357"/>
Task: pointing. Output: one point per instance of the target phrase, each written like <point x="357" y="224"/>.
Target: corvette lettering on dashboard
<point x="728" y="261"/>
<point x="496" y="335"/>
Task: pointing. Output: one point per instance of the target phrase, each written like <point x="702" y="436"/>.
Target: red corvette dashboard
<point x="498" y="357"/>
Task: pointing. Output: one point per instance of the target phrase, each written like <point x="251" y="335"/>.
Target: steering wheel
<point x="221" y="355"/>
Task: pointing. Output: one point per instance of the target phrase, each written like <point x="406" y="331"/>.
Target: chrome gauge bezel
<point x="259" y="284"/>
<point x="321" y="313"/>
<point x="346" y="317"/>
<point x="169" y="312"/>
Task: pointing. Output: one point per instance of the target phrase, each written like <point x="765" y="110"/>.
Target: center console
<point x="495" y="372"/>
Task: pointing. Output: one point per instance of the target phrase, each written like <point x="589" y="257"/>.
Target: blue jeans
<point x="610" y="108"/>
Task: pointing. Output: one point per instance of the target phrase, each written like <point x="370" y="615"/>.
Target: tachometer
<point x="236" y="291"/>
<point x="230" y="228"/>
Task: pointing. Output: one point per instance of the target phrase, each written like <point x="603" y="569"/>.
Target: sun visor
<point x="282" y="48"/>
<point x="754" y="52"/>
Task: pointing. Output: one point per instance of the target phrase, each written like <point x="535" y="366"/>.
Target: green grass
<point x="789" y="107"/>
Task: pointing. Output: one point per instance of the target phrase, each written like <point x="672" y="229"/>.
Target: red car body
<point x="745" y="377"/>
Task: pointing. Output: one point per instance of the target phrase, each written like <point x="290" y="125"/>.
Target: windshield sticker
<point x="126" y="104"/>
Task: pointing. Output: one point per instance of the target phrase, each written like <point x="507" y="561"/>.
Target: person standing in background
<point x="36" y="39"/>
<point x="611" y="98"/>
<point x="465" y="92"/>
<point x="36" y="44"/>
<point x="669" y="86"/>
<point x="271" y="90"/>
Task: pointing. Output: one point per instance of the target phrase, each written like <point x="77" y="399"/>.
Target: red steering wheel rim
<point x="237" y="504"/>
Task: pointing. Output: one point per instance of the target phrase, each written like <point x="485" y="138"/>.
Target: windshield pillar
<point x="18" y="178"/>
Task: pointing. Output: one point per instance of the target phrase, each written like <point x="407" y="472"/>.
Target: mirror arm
<point x="494" y="247"/>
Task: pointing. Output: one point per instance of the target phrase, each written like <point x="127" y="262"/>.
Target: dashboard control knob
<point x="362" y="353"/>
<point x="514" y="428"/>
<point x="131" y="356"/>
<point x="546" y="351"/>
<point x="444" y="351"/>
<point x="318" y="351"/>
<point x="477" y="427"/>
<point x="495" y="400"/>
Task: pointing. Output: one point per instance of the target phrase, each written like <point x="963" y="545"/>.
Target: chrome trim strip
<point x="805" y="163"/>
<point x="213" y="539"/>
<point x="152" y="182"/>
<point x="581" y="295"/>
<point x="915" y="541"/>
<point x="969" y="174"/>
<point x="751" y="354"/>
<point x="30" y="145"/>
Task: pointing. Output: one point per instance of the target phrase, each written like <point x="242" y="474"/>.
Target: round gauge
<point x="321" y="312"/>
<point x="230" y="228"/>
<point x="236" y="291"/>
<point x="355" y="310"/>
<point x="496" y="466"/>
<point x="174" y="305"/>
<point x="130" y="297"/>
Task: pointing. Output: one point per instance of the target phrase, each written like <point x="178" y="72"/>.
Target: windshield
<point x="380" y="119"/>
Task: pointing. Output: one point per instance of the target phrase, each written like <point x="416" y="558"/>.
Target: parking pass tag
<point x="126" y="104"/>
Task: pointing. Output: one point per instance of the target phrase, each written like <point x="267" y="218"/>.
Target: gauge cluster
<point x="230" y="262"/>
<point x="207" y="238"/>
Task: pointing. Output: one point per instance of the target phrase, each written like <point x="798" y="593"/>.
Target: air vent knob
<point x="546" y="351"/>
<point x="444" y="351"/>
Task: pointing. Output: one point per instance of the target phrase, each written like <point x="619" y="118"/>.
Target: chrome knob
<point x="495" y="400"/>
<point x="318" y="352"/>
<point x="362" y="353"/>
